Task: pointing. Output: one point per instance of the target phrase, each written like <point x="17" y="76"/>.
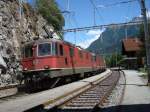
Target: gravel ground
<point x="116" y="96"/>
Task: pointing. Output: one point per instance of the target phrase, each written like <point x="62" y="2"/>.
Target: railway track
<point x="116" y="97"/>
<point x="84" y="95"/>
<point x="92" y="98"/>
<point x="18" y="93"/>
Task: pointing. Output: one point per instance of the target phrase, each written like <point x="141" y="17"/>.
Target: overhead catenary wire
<point x="71" y="16"/>
<point x="103" y="26"/>
<point x="95" y="8"/>
<point x="118" y="3"/>
<point x="109" y="25"/>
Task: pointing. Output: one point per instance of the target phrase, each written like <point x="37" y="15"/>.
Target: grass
<point x="143" y="72"/>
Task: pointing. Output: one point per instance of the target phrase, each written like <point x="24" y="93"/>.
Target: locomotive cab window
<point x="44" y="49"/>
<point x="54" y="49"/>
<point x="28" y="51"/>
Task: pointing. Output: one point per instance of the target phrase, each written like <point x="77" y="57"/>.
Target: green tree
<point x="50" y="11"/>
<point x="113" y="60"/>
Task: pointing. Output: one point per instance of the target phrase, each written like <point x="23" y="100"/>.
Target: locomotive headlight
<point x="46" y="67"/>
<point x="25" y="69"/>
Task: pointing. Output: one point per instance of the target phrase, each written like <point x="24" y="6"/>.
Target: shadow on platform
<point x="128" y="108"/>
<point x="121" y="108"/>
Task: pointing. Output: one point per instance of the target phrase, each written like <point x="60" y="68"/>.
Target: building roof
<point x="132" y="44"/>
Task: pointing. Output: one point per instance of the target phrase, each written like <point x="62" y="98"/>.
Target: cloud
<point x="92" y="35"/>
<point x="101" y="6"/>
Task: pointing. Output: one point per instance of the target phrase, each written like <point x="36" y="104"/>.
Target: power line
<point x="118" y="3"/>
<point x="102" y="26"/>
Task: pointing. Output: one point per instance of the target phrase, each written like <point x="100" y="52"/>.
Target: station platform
<point x="49" y="96"/>
<point x="137" y="91"/>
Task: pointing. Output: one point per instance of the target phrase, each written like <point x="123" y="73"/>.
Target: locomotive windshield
<point x="28" y="51"/>
<point x="44" y="49"/>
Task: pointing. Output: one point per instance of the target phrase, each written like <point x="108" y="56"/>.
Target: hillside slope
<point x="110" y="40"/>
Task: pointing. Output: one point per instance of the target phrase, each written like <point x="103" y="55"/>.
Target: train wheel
<point x="28" y="85"/>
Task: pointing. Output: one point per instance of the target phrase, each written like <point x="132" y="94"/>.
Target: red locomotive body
<point x="53" y="59"/>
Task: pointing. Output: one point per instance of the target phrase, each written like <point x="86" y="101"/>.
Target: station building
<point x="131" y="51"/>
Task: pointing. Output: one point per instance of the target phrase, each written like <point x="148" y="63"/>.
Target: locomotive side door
<point x="71" y="52"/>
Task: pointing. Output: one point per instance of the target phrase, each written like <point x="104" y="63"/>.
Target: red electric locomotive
<point x="45" y="62"/>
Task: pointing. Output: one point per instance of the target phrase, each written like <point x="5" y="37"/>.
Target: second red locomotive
<point x="45" y="62"/>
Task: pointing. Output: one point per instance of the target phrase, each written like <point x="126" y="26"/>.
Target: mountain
<point x="110" y="40"/>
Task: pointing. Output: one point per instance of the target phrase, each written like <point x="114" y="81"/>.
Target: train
<point x="46" y="62"/>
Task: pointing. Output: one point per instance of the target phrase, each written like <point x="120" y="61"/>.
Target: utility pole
<point x="67" y="4"/>
<point x="94" y="16"/>
<point x="126" y="32"/>
<point x="147" y="38"/>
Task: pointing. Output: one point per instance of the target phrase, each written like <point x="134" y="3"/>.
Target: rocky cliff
<point x="17" y="25"/>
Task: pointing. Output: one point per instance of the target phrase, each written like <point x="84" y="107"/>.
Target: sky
<point x="81" y="15"/>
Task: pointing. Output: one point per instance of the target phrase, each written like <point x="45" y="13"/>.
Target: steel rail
<point x="80" y="90"/>
<point x="92" y="97"/>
